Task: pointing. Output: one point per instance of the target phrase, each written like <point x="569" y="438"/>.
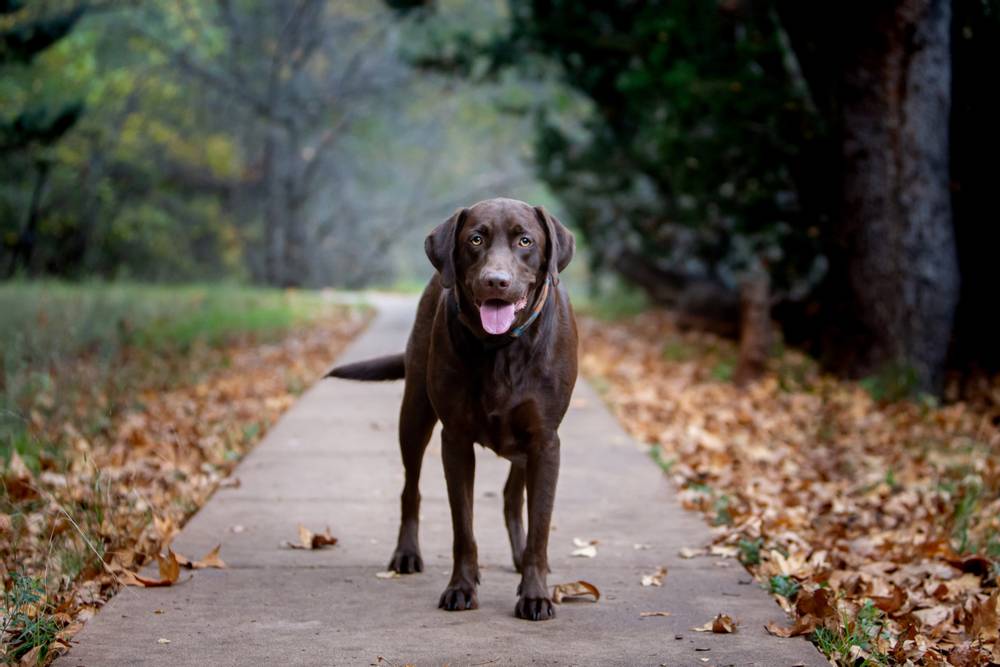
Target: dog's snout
<point x="497" y="279"/>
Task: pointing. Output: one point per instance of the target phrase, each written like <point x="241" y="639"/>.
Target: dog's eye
<point x="476" y="239"/>
<point x="524" y="242"/>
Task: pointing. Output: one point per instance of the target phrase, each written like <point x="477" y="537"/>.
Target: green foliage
<point x="750" y="551"/>
<point x="964" y="514"/>
<point x="683" y="150"/>
<point x="47" y="326"/>
<point x="784" y="586"/>
<point x="27" y="619"/>
<point x="656" y="453"/>
<point x="612" y="301"/>
<point x="723" y="517"/>
<point x="859" y="632"/>
<point x="893" y="382"/>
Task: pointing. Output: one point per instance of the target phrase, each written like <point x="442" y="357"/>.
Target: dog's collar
<point x="535" y="312"/>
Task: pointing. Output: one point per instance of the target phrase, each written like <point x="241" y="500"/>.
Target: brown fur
<point x="507" y="394"/>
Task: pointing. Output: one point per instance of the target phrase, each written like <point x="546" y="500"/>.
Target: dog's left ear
<point x="440" y="246"/>
<point x="561" y="245"/>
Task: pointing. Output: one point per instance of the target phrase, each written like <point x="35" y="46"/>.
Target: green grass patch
<point x="609" y="301"/>
<point x="750" y="551"/>
<point x="783" y="585"/>
<point x="656" y="453"/>
<point x="858" y="631"/>
<point x="28" y="621"/>
<point x="48" y="328"/>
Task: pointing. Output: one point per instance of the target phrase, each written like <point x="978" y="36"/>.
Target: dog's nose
<point x="499" y="279"/>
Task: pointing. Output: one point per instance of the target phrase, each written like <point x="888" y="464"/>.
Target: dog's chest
<point x="492" y="408"/>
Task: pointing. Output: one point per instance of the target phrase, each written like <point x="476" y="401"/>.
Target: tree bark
<point x="897" y="219"/>
<point x="755" y="326"/>
<point x="273" y="217"/>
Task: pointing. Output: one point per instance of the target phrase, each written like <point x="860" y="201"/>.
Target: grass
<point x="609" y="301"/>
<point x="48" y="327"/>
<point x="783" y="585"/>
<point x="858" y="631"/>
<point x="750" y="551"/>
<point x="74" y="358"/>
<point x="27" y="618"/>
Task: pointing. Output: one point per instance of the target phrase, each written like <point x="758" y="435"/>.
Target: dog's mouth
<point x="497" y="316"/>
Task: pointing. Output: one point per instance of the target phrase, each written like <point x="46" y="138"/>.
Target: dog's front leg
<point x="543" y="471"/>
<point x="460" y="473"/>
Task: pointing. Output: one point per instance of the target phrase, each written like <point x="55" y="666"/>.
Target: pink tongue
<point x="497" y="316"/>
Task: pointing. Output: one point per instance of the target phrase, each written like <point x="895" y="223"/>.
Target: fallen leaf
<point x="641" y="547"/>
<point x="933" y="616"/>
<point x="688" y="552"/>
<point x="589" y="551"/>
<point x="574" y="589"/>
<point x="656" y="578"/>
<point x="647" y="614"/>
<point x="311" y="540"/>
<point x="170" y="571"/>
<point x="161" y="640"/>
<point x="211" y="559"/>
<point x="388" y="574"/>
<point x="30" y="659"/>
<point x="803" y="625"/>
<point x="721" y="624"/>
<point x="580" y="543"/>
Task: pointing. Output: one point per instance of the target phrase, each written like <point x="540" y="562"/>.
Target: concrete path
<point x="333" y="460"/>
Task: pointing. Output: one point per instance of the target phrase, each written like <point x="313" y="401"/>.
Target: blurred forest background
<point x="820" y="164"/>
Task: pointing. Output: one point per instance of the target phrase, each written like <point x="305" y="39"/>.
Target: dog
<point x="493" y="356"/>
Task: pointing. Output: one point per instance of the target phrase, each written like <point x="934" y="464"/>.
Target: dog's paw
<point x="534" y="609"/>
<point x="406" y="562"/>
<point x="459" y="597"/>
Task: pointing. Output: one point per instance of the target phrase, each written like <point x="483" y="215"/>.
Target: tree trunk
<point x="295" y="261"/>
<point x="897" y="220"/>
<point x="755" y="326"/>
<point x="273" y="210"/>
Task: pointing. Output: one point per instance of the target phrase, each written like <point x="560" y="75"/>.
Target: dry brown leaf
<point x="647" y="614"/>
<point x="30" y="659"/>
<point x="932" y="617"/>
<point x="803" y="625"/>
<point x="311" y="540"/>
<point x="5" y="523"/>
<point x="211" y="559"/>
<point x="574" y="589"/>
<point x="656" y="578"/>
<point x="722" y="624"/>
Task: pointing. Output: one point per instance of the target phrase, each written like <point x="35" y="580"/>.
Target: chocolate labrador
<point x="492" y="354"/>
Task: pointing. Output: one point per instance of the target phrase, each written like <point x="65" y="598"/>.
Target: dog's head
<point x="498" y="252"/>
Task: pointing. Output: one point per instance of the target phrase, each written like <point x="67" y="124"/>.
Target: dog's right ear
<point x="440" y="246"/>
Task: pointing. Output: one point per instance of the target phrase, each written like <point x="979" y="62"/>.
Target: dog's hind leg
<point x="416" y="422"/>
<point x="513" y="511"/>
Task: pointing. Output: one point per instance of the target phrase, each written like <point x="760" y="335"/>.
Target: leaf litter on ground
<point x="878" y="519"/>
<point x="157" y="443"/>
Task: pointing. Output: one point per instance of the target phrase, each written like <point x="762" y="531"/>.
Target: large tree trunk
<point x="274" y="223"/>
<point x="902" y="265"/>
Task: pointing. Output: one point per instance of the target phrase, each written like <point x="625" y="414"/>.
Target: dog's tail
<point x="389" y="367"/>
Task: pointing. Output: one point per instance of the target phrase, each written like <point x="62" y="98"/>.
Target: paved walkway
<point x="333" y="460"/>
